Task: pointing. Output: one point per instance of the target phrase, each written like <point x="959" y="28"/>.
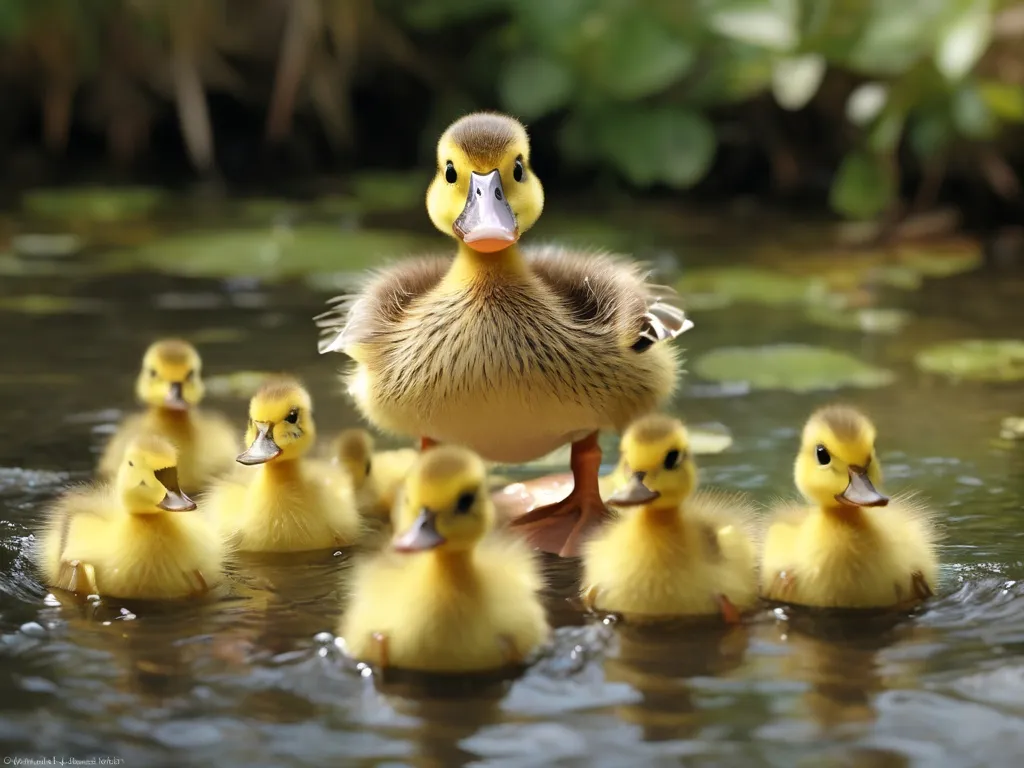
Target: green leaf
<point x="886" y="133"/>
<point x="718" y="288"/>
<point x="930" y="134"/>
<point x="93" y="203"/>
<point x="866" y="320"/>
<point x="532" y="85"/>
<point x="964" y="40"/>
<point x="641" y="57"/>
<point x="769" y="24"/>
<point x="795" y="80"/>
<point x="1006" y="100"/>
<point x="663" y="144"/>
<point x="995" y="360"/>
<point x="863" y="186"/>
<point x="971" y="114"/>
<point x="793" y="367"/>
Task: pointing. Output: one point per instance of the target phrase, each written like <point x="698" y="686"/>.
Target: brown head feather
<point x="485" y="137"/>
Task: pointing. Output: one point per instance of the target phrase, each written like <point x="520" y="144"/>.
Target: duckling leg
<point x="922" y="590"/>
<point x="730" y="613"/>
<point x="562" y="527"/>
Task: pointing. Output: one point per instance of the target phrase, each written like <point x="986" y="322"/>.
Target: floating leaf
<point x="660" y="144"/>
<point x="996" y="360"/>
<point x="45" y="246"/>
<point x="942" y="259"/>
<point x="96" y="203"/>
<point x="964" y="40"/>
<point x="743" y="284"/>
<point x="709" y="438"/>
<point x="795" y="80"/>
<point x="40" y="304"/>
<point x="242" y="384"/>
<point x="865" y="320"/>
<point x="531" y="85"/>
<point x="863" y="187"/>
<point x="793" y="367"/>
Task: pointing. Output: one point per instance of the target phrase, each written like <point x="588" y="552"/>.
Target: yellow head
<point x="280" y="423"/>
<point x="485" y="192"/>
<point x="445" y="502"/>
<point x="656" y="453"/>
<point x="147" y="481"/>
<point x="170" y="376"/>
<point x="353" y="449"/>
<point x="837" y="466"/>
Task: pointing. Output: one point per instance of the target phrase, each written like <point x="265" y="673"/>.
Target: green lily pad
<point x="268" y="254"/>
<point x="709" y="438"/>
<point x="95" y="203"/>
<point x="975" y="360"/>
<point x="865" y="320"/>
<point x="44" y="246"/>
<point x="390" y="191"/>
<point x="242" y="384"/>
<point x="41" y="304"/>
<point x="793" y="367"/>
<point x="942" y="260"/>
<point x="715" y="288"/>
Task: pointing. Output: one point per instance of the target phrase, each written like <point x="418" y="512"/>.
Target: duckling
<point x="850" y="546"/>
<point x="284" y="503"/>
<point x="679" y="553"/>
<point x="375" y="476"/>
<point x="446" y="596"/>
<point x="128" y="539"/>
<point x="510" y="352"/>
<point x="171" y="386"/>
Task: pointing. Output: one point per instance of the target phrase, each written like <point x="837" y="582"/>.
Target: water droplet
<point x="325" y="638"/>
<point x="322" y="653"/>
<point x="33" y="629"/>
<point x="51" y="601"/>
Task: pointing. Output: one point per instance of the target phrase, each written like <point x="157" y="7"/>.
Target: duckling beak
<point x="263" y="448"/>
<point x="175" y="399"/>
<point x="174" y="499"/>
<point x="421" y="536"/>
<point x="860" y="492"/>
<point x="487" y="223"/>
<point x="634" y="493"/>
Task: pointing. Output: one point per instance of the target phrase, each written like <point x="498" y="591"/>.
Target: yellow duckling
<point x="171" y="386"/>
<point x="511" y="353"/>
<point x="129" y="539"/>
<point x="678" y="553"/>
<point x="851" y="547"/>
<point x="286" y="503"/>
<point x="375" y="476"/>
<point x="446" y="597"/>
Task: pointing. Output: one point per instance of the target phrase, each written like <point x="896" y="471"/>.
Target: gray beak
<point x="174" y="499"/>
<point x="263" y="448"/>
<point x="487" y="222"/>
<point x="634" y="492"/>
<point x="860" y="492"/>
<point x="421" y="536"/>
<point x="175" y="399"/>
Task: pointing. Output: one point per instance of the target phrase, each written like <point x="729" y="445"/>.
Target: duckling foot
<point x="730" y="613"/>
<point x="509" y="650"/>
<point x="77" y="577"/>
<point x="562" y="527"/>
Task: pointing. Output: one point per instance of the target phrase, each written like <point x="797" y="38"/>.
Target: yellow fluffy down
<point x="860" y="558"/>
<point x="156" y="556"/>
<point x="455" y="612"/>
<point x="652" y="564"/>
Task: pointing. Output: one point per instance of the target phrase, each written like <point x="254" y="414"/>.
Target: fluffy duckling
<point x="510" y="352"/>
<point x="673" y="552"/>
<point x="446" y="597"/>
<point x="376" y="476"/>
<point x="171" y="386"/>
<point x="851" y="546"/>
<point x="285" y="503"/>
<point x="130" y="539"/>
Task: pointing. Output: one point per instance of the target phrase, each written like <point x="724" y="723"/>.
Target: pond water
<point x="256" y="679"/>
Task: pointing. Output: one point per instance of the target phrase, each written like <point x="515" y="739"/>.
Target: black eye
<point x="152" y="373"/>
<point x="369" y="466"/>
<point x="449" y="173"/>
<point x="672" y="459"/>
<point x="465" y="502"/>
<point x="519" y="173"/>
<point x="131" y="463"/>
<point x="823" y="455"/>
<point x="293" y="416"/>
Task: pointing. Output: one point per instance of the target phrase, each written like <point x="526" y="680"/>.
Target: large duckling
<point x="671" y="552"/>
<point x="850" y="546"/>
<point x="510" y="352"/>
<point x="284" y="502"/>
<point x="170" y="385"/>
<point x="448" y="595"/>
<point x="138" y="538"/>
<point x="376" y="476"/>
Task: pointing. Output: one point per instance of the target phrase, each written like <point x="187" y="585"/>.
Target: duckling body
<point x="448" y="596"/>
<point x="170" y="385"/>
<point x="850" y="546"/>
<point x="511" y="352"/>
<point x="133" y="540"/>
<point x="283" y="502"/>
<point x="376" y="476"/>
<point x="670" y="552"/>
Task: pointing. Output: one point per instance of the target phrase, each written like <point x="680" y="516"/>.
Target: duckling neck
<point x="281" y="470"/>
<point x="470" y="266"/>
<point x="456" y="565"/>
<point x="661" y="514"/>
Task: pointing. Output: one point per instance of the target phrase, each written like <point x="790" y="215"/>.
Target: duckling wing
<point x="601" y="289"/>
<point x="380" y="303"/>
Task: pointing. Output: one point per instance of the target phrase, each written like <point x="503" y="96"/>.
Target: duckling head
<point x="170" y="376"/>
<point x="656" y="452"/>
<point x="445" y="503"/>
<point x="353" y="449"/>
<point x="147" y="481"/>
<point x="280" y="423"/>
<point x="837" y="465"/>
<point x="484" y="193"/>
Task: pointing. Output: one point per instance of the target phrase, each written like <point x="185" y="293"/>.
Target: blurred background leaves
<point x="873" y="105"/>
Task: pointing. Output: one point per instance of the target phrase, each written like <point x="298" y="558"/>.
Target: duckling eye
<point x="449" y="173"/>
<point x="672" y="459"/>
<point x="519" y="173"/>
<point x="465" y="502"/>
<point x="293" y="416"/>
<point x="823" y="455"/>
<point x="152" y="373"/>
<point x="369" y="466"/>
<point x="131" y="463"/>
